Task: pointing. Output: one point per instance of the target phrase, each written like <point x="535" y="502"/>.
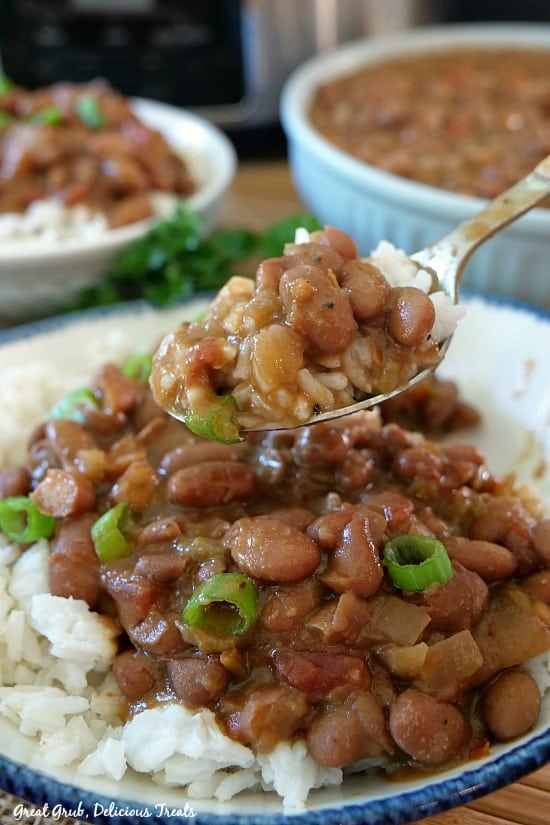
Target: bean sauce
<point x="468" y="120"/>
<point x="333" y="651"/>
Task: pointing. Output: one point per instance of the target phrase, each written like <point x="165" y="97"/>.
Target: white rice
<point x="49" y="222"/>
<point x="55" y="681"/>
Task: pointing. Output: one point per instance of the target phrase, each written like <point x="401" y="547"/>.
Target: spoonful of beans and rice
<point x="321" y="332"/>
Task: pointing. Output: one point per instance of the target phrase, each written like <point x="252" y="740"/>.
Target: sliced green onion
<point x="49" y="116"/>
<point x="138" y="366"/>
<point x="224" y="604"/>
<point x="87" y="108"/>
<point x="216" y="421"/>
<point x="108" y="533"/>
<point x="414" y="562"/>
<point x="5" y="84"/>
<point x="73" y="405"/>
<point x="21" y="520"/>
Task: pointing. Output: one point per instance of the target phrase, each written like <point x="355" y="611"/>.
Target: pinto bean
<point x="290" y="604"/>
<point x="369" y="291"/>
<point x="460" y="603"/>
<point x="197" y="681"/>
<point x="162" y="565"/>
<point x="321" y="445"/>
<point x="212" y="483"/>
<point x="317" y="309"/>
<point x="192" y="454"/>
<point x="355" y="564"/>
<point x="338" y="240"/>
<point x="412" y="316"/>
<point x="541" y="541"/>
<point x="431" y="732"/>
<point x="119" y="393"/>
<point x="327" y="529"/>
<point x="339" y="736"/>
<point x="506" y="521"/>
<point x="268" y="274"/>
<point x="422" y="461"/>
<point x="267" y="549"/>
<point x="157" y="633"/>
<point x="14" y="481"/>
<point x="322" y="256"/>
<point x="490" y="561"/>
<point x="511" y="704"/>
<point x="63" y="494"/>
<point x="133" y="673"/>
<point x="73" y="564"/>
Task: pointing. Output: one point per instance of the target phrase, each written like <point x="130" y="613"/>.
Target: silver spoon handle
<point x="448" y="256"/>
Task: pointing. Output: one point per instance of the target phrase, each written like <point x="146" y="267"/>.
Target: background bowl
<point x="39" y="278"/>
<point x="372" y="204"/>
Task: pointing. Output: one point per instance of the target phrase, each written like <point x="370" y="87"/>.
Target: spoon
<point x="446" y="259"/>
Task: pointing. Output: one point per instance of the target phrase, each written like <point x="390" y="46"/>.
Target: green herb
<point x="225" y="604"/>
<point x="5" y="120"/>
<point x="21" y="520"/>
<point x="49" y="116"/>
<point x="177" y="259"/>
<point x="5" y="84"/>
<point x="87" y="108"/>
<point x="138" y="366"/>
<point x="216" y="421"/>
<point x="73" y="406"/>
<point x="414" y="562"/>
<point x="108" y="533"/>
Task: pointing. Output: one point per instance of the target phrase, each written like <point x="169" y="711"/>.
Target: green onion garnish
<point x="49" y="116"/>
<point x="73" y="405"/>
<point x="5" y="84"/>
<point x="224" y="604"/>
<point x="87" y="108"/>
<point x="138" y="366"/>
<point x="21" y="520"/>
<point x="414" y="562"/>
<point x="216" y="421"/>
<point x="108" y="533"/>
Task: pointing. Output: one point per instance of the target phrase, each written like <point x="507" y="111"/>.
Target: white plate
<point x="499" y="358"/>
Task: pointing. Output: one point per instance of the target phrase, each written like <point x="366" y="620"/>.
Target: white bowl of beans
<point x="401" y="137"/>
<point x="78" y="193"/>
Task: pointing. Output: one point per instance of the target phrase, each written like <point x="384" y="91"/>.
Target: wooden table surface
<point x="261" y="194"/>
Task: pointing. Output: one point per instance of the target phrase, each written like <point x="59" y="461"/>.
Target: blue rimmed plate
<point x="499" y="358"/>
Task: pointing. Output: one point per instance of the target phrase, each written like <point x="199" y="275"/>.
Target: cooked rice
<point x="55" y="681"/>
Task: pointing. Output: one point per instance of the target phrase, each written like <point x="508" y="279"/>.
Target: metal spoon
<point x="446" y="258"/>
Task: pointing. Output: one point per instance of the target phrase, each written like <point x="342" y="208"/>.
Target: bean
<point x="73" y="564"/>
<point x="212" y="483"/>
<point x="277" y="357"/>
<point x="269" y="274"/>
<point x="14" y="481"/>
<point x="338" y="240"/>
<point x="511" y="704"/>
<point x="431" y="732"/>
<point x="63" y="494"/>
<point x="355" y="564"/>
<point x="541" y="541"/>
<point x="267" y="549"/>
<point x="317" y="255"/>
<point x="368" y="289"/>
<point x="342" y="735"/>
<point x="197" y="681"/>
<point x="321" y="445"/>
<point x="411" y="317"/>
<point x="266" y="715"/>
<point x="192" y="454"/>
<point x="460" y="603"/>
<point x="133" y="673"/>
<point x="490" y="561"/>
<point x="317" y="309"/>
<point x="157" y="633"/>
